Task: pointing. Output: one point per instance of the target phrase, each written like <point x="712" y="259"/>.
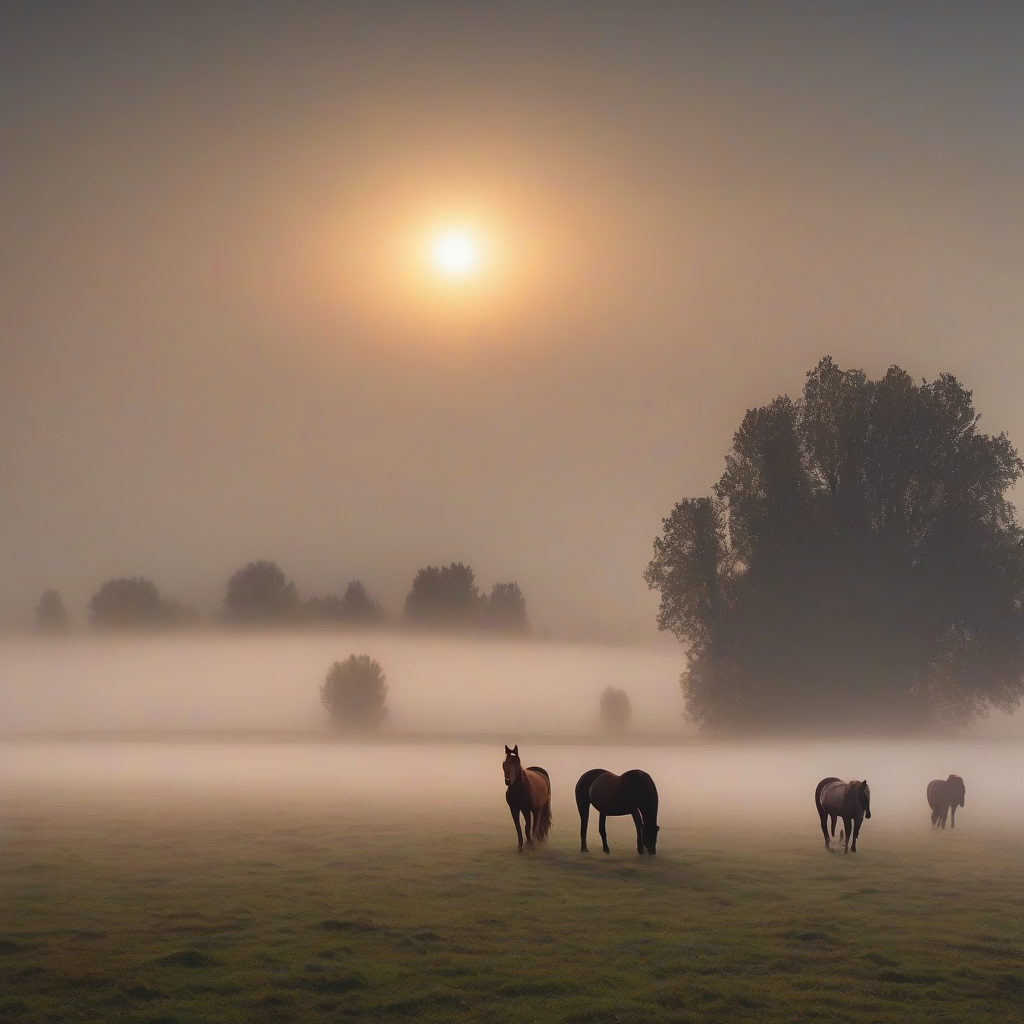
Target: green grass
<point x="172" y="917"/>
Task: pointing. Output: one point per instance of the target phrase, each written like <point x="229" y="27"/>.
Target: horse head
<point x="864" y="798"/>
<point x="959" y="790"/>
<point x="650" y="833"/>
<point x="511" y="765"/>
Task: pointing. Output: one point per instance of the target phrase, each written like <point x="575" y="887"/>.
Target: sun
<point x="455" y="253"/>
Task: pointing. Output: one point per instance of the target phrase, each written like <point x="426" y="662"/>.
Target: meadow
<point x="175" y="910"/>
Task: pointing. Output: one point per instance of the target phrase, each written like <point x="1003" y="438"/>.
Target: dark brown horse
<point x="527" y="792"/>
<point x="944" y="797"/>
<point x="850" y="801"/>
<point x="632" y="793"/>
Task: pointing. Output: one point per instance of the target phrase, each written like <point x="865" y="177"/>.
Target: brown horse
<point x="944" y="797"/>
<point x="850" y="801"/>
<point x="632" y="793"/>
<point x="527" y="792"/>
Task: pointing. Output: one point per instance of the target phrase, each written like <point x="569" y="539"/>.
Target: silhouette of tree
<point x="445" y="596"/>
<point x="858" y="563"/>
<point x="355" y="693"/>
<point x="261" y="593"/>
<point x="325" y="609"/>
<point x="355" y="608"/>
<point x="616" y="710"/>
<point x="505" y="610"/>
<point x="51" y="613"/>
<point x="359" y="608"/>
<point x="133" y="603"/>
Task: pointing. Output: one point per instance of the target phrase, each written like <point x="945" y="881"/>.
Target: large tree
<point x="858" y="563"/>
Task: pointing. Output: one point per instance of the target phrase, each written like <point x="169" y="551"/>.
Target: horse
<point x="850" y="801"/>
<point x="527" y="791"/>
<point x="632" y="793"/>
<point x="944" y="797"/>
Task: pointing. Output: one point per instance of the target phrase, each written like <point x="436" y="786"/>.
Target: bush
<point x="616" y="710"/>
<point x="355" y="693"/>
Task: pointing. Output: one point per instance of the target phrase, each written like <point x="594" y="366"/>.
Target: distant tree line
<point x="858" y="563"/>
<point x="260" y="594"/>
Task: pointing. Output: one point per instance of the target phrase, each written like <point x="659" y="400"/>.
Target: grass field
<point x="233" y="913"/>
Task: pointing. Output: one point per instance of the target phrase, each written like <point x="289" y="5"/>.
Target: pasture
<point x="168" y="910"/>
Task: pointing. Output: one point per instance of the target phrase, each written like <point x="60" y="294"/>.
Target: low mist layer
<point x="272" y="681"/>
<point x="698" y="783"/>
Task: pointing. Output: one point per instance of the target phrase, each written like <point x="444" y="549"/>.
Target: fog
<point x="699" y="784"/>
<point x="271" y="681"/>
<point x="108" y="692"/>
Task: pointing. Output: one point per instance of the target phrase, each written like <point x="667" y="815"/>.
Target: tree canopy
<point x="857" y="563"/>
<point x="135" y="603"/>
<point x="444" y="595"/>
<point x="447" y="597"/>
<point x="354" y="608"/>
<point x="355" y="693"/>
<point x="261" y="593"/>
<point x="505" y="610"/>
<point x="51" y="614"/>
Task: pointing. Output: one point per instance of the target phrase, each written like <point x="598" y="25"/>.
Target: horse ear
<point x="515" y="750"/>
<point x="507" y="751"/>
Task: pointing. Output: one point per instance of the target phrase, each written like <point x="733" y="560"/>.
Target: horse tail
<point x="817" y="792"/>
<point x="543" y="824"/>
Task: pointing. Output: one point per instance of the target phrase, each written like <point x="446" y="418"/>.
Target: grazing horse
<point x="632" y="793"/>
<point x="527" y="791"/>
<point x="850" y="801"/>
<point x="944" y="797"/>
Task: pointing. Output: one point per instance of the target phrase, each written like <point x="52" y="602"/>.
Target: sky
<point x="219" y="341"/>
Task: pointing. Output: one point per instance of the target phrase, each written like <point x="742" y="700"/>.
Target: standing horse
<point x="850" y="801"/>
<point x="944" y="797"/>
<point x="527" y="791"/>
<point x="632" y="793"/>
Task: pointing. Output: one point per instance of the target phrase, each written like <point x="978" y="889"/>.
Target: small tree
<point x="359" y="608"/>
<point x="444" y="596"/>
<point x="505" y="610"/>
<point x="616" y="710"/>
<point x="51" y="613"/>
<point x="355" y="693"/>
<point x="127" y="603"/>
<point x="261" y="593"/>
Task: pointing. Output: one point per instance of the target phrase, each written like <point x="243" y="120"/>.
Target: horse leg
<point x="952" y="816"/>
<point x="847" y="828"/>
<point x="530" y="817"/>
<point x="832" y="821"/>
<point x="519" y="831"/>
<point x="935" y="816"/>
<point x="824" y="828"/>
<point x="584" y="821"/>
<point x="639" y="822"/>
<point x="603" y="831"/>
<point x="856" y="832"/>
<point x="945" y="814"/>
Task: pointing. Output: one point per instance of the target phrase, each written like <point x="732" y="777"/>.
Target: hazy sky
<point x="216" y="343"/>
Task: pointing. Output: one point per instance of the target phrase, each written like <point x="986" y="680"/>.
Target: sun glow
<point x="455" y="253"/>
